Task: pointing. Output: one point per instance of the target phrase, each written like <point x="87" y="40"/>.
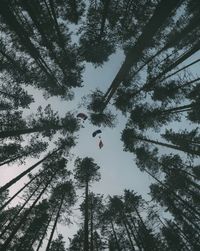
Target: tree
<point x="86" y="171"/>
<point x="61" y="147"/>
<point x="143" y="42"/>
<point x="47" y="123"/>
<point x="63" y="196"/>
<point x="132" y="138"/>
<point x="58" y="244"/>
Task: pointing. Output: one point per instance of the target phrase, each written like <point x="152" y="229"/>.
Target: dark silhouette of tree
<point x="162" y="12"/>
<point x="63" y="197"/>
<point x="58" y="244"/>
<point x="86" y="171"/>
<point x="47" y="123"/>
<point x="132" y="138"/>
<point x="61" y="147"/>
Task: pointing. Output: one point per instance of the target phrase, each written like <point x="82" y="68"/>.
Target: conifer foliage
<point x="44" y="49"/>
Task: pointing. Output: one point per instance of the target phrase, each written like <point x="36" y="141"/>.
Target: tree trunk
<point x="18" y="212"/>
<point x="161" y="13"/>
<point x="178" y="109"/>
<point x="168" y="145"/>
<point x="185" y="236"/>
<point x="181" y="59"/>
<point x="23" y="220"/>
<point x="140" y="241"/>
<point x="20" y="190"/>
<point x="10" y="160"/>
<point x="134" y="235"/>
<point x="104" y="17"/>
<point x="91" y="227"/>
<point x="45" y="232"/>
<point x="18" y="132"/>
<point x="191" y="209"/>
<point x="33" y="14"/>
<point x="17" y="28"/>
<point x="180" y="170"/>
<point x="13" y="181"/>
<point x="129" y="236"/>
<point x="86" y="220"/>
<point x="186" y="84"/>
<point x="115" y="236"/>
<point x="60" y="36"/>
<point x="55" y="223"/>
<point x="183" y="68"/>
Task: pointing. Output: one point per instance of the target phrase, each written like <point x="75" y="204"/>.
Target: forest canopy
<point x="54" y="104"/>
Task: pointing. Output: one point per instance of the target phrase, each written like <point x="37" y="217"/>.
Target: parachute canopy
<point x="82" y="116"/>
<point x="96" y="132"/>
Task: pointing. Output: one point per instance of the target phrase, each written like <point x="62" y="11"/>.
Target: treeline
<point x="119" y="222"/>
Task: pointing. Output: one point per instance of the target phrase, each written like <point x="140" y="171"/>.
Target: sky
<point x="117" y="167"/>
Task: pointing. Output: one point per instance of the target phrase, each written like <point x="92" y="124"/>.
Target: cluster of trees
<point x="156" y="88"/>
<point x="125" y="222"/>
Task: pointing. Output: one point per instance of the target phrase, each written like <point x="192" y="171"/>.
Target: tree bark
<point x="91" y="226"/>
<point x="23" y="220"/>
<point x="104" y="16"/>
<point x="45" y="232"/>
<point x="20" y="190"/>
<point x="181" y="69"/>
<point x="13" y="181"/>
<point x="18" y="132"/>
<point x="18" y="212"/>
<point x="129" y="236"/>
<point x="191" y="209"/>
<point x="162" y="12"/>
<point x="86" y="232"/>
<point x="115" y="236"/>
<point x="181" y="59"/>
<point x="134" y="235"/>
<point x="167" y="145"/>
<point x="55" y="223"/>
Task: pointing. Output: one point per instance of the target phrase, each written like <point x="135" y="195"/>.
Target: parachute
<point x="82" y="116"/>
<point x="96" y="132"/>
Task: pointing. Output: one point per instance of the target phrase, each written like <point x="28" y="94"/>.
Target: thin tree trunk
<point x="184" y="236"/>
<point x="55" y="223"/>
<point x="186" y="84"/>
<point x="13" y="181"/>
<point x="20" y="190"/>
<point x="60" y="36"/>
<point x="104" y="17"/>
<point x="133" y="234"/>
<point x="161" y="13"/>
<point x="129" y="236"/>
<point x="86" y="232"/>
<point x="18" y="132"/>
<point x="23" y="220"/>
<point x="138" y="235"/>
<point x="167" y="145"/>
<point x="10" y="160"/>
<point x="45" y="232"/>
<point x="15" y="26"/>
<point x="181" y="59"/>
<point x="180" y="170"/>
<point x="191" y="209"/>
<point x="181" y="69"/>
<point x="91" y="226"/>
<point x="115" y="236"/>
<point x="19" y="211"/>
